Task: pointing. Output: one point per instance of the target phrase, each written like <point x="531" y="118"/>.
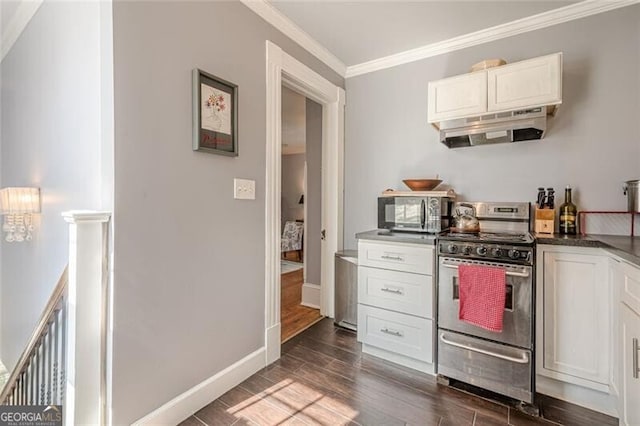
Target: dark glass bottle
<point x="568" y="215"/>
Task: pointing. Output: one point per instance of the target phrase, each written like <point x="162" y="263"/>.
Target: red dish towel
<point x="482" y="296"/>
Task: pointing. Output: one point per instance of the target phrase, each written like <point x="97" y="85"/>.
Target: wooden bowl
<point x="487" y="63"/>
<point x="422" y="184"/>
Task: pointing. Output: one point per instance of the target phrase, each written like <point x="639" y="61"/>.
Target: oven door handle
<point x="523" y="274"/>
<point x="522" y="360"/>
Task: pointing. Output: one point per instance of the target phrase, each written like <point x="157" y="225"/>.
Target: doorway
<point x="301" y="209"/>
<point x="283" y="69"/>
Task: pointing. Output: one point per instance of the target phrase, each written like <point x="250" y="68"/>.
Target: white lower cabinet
<point x="575" y="312"/>
<point x="588" y="330"/>
<point x="396" y="302"/>
<point x="626" y="279"/>
<point x="576" y="316"/>
<point x="397" y="291"/>
<point x="398" y="333"/>
<point x="629" y="398"/>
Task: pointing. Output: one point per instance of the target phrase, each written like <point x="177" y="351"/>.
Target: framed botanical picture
<point x="215" y="114"/>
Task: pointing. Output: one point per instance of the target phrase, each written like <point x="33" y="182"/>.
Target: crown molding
<point x="18" y="23"/>
<point x="531" y="23"/>
<point x="269" y="13"/>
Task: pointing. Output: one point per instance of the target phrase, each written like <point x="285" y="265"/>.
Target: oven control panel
<point x="516" y="254"/>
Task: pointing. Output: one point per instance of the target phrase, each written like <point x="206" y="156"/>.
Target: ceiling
<point x="360" y="31"/>
<point x="8" y="9"/>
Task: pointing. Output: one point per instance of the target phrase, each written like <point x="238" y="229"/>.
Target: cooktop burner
<point x="495" y="237"/>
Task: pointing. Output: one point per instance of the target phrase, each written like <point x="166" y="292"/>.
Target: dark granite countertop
<point x="397" y="237"/>
<point x="628" y="248"/>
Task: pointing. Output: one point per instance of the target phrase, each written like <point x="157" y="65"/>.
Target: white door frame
<point x="283" y="68"/>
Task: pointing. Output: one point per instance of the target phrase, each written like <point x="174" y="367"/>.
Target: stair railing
<point x="65" y="360"/>
<point x="38" y="378"/>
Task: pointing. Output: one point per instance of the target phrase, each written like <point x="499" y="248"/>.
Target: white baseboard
<point x="184" y="405"/>
<point x="311" y="295"/>
<point x="425" y="367"/>
<point x="578" y="395"/>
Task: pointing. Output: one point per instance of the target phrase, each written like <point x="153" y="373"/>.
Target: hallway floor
<point x="294" y="318"/>
<point x="323" y="378"/>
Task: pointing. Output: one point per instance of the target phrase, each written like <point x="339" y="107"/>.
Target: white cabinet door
<point x="616" y="280"/>
<point x="576" y="318"/>
<point x="630" y="288"/>
<point x="455" y="97"/>
<point x="531" y="83"/>
<point x="630" y="379"/>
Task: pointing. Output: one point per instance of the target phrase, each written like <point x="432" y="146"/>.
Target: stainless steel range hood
<point x="513" y="126"/>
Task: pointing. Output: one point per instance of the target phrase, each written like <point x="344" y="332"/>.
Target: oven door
<point x="402" y="213"/>
<point x="493" y="366"/>
<point x="518" y="315"/>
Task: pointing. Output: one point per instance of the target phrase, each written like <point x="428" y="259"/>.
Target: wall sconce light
<point x="17" y="205"/>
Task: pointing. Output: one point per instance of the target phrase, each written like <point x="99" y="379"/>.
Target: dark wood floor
<point x="324" y="379"/>
<point x="294" y="317"/>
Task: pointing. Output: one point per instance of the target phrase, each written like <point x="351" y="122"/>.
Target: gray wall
<point x="189" y="259"/>
<point x="313" y="197"/>
<point x="592" y="143"/>
<point x="50" y="137"/>
<point x="292" y="187"/>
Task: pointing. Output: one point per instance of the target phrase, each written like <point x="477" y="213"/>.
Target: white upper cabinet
<point x="532" y="83"/>
<point x="526" y="84"/>
<point x="455" y="97"/>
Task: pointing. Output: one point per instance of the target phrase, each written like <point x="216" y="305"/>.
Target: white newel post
<point x="86" y="319"/>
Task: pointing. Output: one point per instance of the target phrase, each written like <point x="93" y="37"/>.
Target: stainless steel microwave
<point x="415" y="214"/>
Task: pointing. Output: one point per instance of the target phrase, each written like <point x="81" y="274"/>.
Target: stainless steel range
<point x="502" y="362"/>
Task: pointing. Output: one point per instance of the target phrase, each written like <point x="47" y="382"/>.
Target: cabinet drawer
<point x="406" y="258"/>
<point x="400" y="333"/>
<point x="398" y="291"/>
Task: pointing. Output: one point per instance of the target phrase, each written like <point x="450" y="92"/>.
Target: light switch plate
<point x="244" y="189"/>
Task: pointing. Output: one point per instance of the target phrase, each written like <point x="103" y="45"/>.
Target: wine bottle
<point x="568" y="214"/>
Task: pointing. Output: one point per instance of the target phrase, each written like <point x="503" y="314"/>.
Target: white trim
<point x="283" y="68"/>
<point x="273" y="202"/>
<point x="311" y="295"/>
<point x="542" y="20"/>
<point x="187" y="403"/>
<point x="85" y="373"/>
<point x="578" y="395"/>
<point x="79" y="216"/>
<point x="273" y="16"/>
<point x="18" y="23"/>
<point x="272" y="336"/>
<point x="305" y="206"/>
<point x="332" y="195"/>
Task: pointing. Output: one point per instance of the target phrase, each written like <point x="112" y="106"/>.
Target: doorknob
<point x="323" y="234"/>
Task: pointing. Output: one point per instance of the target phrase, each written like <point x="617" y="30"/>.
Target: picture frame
<point x="215" y="114"/>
